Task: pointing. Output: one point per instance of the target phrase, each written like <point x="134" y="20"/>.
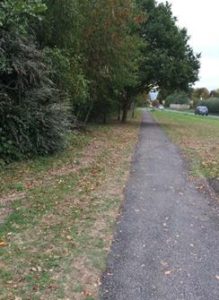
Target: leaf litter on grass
<point x="199" y="139"/>
<point x="59" y="234"/>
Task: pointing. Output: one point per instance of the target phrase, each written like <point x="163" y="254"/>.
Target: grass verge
<point x="58" y="215"/>
<point x="198" y="137"/>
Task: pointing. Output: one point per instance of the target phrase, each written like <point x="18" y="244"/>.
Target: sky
<point x="201" y="19"/>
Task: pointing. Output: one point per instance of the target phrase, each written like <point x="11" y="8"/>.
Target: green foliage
<point x="15" y="14"/>
<point x="61" y="32"/>
<point x="100" y="50"/>
<point x="169" y="59"/>
<point x="214" y="93"/>
<point x="31" y="121"/>
<point x="177" y="98"/>
<point x="90" y="58"/>
<point x="212" y="105"/>
<point x="200" y="93"/>
<point x="31" y="117"/>
<point x="111" y="51"/>
<point x="141" y="100"/>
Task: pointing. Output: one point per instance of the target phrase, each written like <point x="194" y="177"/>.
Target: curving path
<point x="166" y="246"/>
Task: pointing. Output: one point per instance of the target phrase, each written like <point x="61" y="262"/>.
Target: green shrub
<point x="177" y="98"/>
<point x="212" y="105"/>
<point x="31" y="120"/>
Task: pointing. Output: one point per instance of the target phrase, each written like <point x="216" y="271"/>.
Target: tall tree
<point x="96" y="40"/>
<point x="169" y="60"/>
<point x="200" y="93"/>
<point x="112" y="50"/>
<point x="61" y="34"/>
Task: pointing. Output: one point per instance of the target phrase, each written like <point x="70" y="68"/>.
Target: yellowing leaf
<point x="2" y="244"/>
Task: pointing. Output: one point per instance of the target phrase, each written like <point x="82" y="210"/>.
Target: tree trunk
<point x="119" y="114"/>
<point x="124" y="113"/>
<point x="88" y="113"/>
<point x="125" y="108"/>
<point x="133" y="109"/>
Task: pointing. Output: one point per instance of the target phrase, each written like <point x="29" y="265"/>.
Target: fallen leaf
<point x="168" y="272"/>
<point x="2" y="244"/>
<point x="86" y="293"/>
<point x="217" y="277"/>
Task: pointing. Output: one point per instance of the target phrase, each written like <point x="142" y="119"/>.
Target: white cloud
<point x="202" y="22"/>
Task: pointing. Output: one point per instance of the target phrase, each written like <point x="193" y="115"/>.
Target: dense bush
<point x="177" y="98"/>
<point x="31" y="121"/>
<point x="212" y="105"/>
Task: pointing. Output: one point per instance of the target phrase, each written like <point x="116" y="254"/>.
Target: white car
<point x="201" y="110"/>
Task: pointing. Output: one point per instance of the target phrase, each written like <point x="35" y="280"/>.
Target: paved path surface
<point x="167" y="242"/>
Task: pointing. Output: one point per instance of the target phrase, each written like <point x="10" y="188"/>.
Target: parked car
<point x="201" y="110"/>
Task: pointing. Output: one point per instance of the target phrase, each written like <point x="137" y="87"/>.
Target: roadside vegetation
<point x="177" y="98"/>
<point x="59" y="212"/>
<point x="198" y="137"/>
<point x="65" y="65"/>
<point x="212" y="105"/>
<point x="191" y="99"/>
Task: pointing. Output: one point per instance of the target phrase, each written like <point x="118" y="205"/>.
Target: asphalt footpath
<point x="166" y="244"/>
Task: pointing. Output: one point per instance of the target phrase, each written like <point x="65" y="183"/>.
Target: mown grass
<point x="198" y="137"/>
<point x="58" y="233"/>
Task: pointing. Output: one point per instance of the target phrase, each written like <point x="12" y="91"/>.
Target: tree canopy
<point x="169" y="60"/>
<point x="68" y="62"/>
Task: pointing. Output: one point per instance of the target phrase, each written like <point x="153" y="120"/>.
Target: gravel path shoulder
<point x="166" y="246"/>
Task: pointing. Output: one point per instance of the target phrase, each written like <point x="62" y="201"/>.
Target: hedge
<point x="212" y="104"/>
<point x="177" y="98"/>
